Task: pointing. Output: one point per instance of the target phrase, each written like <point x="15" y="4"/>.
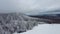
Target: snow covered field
<point x="44" y="29"/>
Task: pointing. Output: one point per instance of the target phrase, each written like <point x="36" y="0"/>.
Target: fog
<point x="27" y="6"/>
<point x="30" y="7"/>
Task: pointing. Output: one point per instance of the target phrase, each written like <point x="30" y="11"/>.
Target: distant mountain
<point x="53" y="15"/>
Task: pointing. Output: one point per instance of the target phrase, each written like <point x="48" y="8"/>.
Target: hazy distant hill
<point x="55" y="18"/>
<point x="53" y="15"/>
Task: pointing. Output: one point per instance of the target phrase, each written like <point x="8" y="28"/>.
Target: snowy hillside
<point x="44" y="29"/>
<point x="16" y="22"/>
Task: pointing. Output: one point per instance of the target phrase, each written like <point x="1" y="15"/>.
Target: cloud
<point x="29" y="5"/>
<point x="32" y="5"/>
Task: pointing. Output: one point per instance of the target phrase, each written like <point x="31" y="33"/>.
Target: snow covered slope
<point x="44" y="29"/>
<point x="16" y="22"/>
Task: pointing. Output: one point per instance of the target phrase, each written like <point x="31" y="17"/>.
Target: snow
<point x="20" y="23"/>
<point x="16" y="22"/>
<point x="44" y="29"/>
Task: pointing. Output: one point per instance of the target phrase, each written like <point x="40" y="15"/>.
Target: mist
<point x="27" y="6"/>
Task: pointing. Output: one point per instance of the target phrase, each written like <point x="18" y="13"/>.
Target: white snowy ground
<point x="44" y="29"/>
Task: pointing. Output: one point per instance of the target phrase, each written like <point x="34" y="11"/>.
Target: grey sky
<point x="29" y="5"/>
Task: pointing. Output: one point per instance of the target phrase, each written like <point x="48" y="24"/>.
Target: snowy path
<point x="45" y="29"/>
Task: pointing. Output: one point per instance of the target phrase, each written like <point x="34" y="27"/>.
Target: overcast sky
<point x="29" y="5"/>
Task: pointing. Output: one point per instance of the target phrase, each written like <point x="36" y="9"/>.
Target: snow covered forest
<point x="11" y="21"/>
<point x="17" y="22"/>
